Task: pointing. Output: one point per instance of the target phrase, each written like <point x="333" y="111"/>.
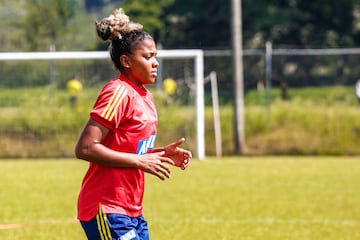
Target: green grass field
<point x="234" y="198"/>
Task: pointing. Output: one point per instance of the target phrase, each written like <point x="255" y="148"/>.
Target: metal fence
<point x="286" y="68"/>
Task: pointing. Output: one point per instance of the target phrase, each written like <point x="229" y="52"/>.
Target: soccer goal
<point x="185" y="67"/>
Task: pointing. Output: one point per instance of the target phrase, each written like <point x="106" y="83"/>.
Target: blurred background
<point x="305" y="104"/>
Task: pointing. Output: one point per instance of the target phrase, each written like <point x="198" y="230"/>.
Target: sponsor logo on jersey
<point x="145" y="145"/>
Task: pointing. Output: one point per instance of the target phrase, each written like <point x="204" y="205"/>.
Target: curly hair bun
<point x="116" y="25"/>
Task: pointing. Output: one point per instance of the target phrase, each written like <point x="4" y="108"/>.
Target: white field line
<point x="267" y="221"/>
<point x="38" y="223"/>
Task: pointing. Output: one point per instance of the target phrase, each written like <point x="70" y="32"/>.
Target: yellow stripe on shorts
<point x="102" y="225"/>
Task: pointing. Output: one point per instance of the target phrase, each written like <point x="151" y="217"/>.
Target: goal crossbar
<point x="9" y="56"/>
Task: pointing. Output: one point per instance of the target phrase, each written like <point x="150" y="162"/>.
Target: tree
<point x="93" y="5"/>
<point x="300" y="24"/>
<point x="10" y="12"/>
<point x="196" y="24"/>
<point x="147" y="13"/>
<point x="46" y="22"/>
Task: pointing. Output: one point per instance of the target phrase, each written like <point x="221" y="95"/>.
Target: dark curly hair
<point x="123" y="34"/>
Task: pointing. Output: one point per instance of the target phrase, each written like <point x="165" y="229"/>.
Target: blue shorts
<point x="115" y="226"/>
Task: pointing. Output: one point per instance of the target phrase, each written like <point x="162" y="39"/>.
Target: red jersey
<point x="128" y="111"/>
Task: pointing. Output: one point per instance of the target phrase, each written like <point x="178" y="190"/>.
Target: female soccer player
<point x="118" y="139"/>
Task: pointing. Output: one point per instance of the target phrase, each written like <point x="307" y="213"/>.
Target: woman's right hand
<point x="155" y="164"/>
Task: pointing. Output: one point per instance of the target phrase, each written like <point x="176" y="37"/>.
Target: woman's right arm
<point x="90" y="148"/>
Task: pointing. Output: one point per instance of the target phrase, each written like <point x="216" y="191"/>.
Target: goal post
<point x="196" y="54"/>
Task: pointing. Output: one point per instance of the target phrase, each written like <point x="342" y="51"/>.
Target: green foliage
<point x="324" y="96"/>
<point x="322" y="121"/>
<point x="11" y="29"/>
<point x="304" y="24"/>
<point x="191" y="24"/>
<point x="36" y="24"/>
<point x="147" y="13"/>
<point x="46" y="21"/>
<point x="309" y="129"/>
<point x="315" y="121"/>
<point x="40" y="122"/>
<point x="253" y="197"/>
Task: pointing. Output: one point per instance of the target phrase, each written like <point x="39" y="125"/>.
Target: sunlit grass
<point x="234" y="198"/>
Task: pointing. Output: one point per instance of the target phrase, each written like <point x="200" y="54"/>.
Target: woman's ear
<point x="125" y="62"/>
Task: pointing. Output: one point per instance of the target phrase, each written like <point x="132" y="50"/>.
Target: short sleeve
<point x="110" y="104"/>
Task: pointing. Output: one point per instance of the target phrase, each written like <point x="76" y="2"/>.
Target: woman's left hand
<point x="180" y="156"/>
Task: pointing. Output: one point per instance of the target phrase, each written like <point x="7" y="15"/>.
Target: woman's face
<point x="142" y="63"/>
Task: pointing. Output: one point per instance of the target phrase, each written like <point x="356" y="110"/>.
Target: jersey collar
<point x="141" y="90"/>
